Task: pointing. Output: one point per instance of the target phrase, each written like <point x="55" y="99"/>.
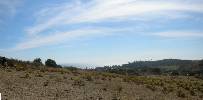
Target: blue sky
<point x="101" y="32"/>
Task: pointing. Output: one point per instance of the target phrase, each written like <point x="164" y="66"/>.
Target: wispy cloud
<point x="97" y="10"/>
<point x="179" y="34"/>
<point x="62" y="37"/>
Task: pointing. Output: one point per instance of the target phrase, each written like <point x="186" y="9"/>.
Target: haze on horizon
<point x="101" y="32"/>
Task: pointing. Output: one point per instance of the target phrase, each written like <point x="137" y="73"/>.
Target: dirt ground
<point x="37" y="85"/>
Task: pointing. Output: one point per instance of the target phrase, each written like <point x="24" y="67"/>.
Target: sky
<point x="101" y="32"/>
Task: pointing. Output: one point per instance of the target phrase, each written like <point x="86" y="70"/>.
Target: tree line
<point x="6" y="62"/>
<point x="160" y="67"/>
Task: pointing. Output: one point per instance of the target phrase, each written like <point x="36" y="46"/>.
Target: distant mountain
<point x="156" y="67"/>
<point x="160" y="63"/>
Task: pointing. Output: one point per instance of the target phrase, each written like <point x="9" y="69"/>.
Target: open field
<point x="101" y="50"/>
<point x="63" y="84"/>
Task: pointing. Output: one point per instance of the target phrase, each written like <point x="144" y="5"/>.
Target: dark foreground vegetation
<point x="153" y="80"/>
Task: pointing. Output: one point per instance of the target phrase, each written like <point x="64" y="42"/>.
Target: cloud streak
<point x="97" y="11"/>
<point x="178" y="34"/>
<point x="62" y="36"/>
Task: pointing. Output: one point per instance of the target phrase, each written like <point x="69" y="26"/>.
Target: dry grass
<point x="64" y="84"/>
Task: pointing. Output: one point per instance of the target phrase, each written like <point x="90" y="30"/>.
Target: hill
<point x="166" y="66"/>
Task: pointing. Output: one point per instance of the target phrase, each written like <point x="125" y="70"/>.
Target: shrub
<point x="76" y="73"/>
<point x="46" y="83"/>
<point x="119" y="88"/>
<point x="104" y="89"/>
<point x="168" y="89"/>
<point x="192" y="92"/>
<point x="126" y="79"/>
<point x="37" y="62"/>
<point x="21" y="68"/>
<point x="115" y="98"/>
<point x="38" y="74"/>
<point x="64" y="77"/>
<point x="43" y="69"/>
<point x="50" y="63"/>
<point x="78" y="82"/>
<point x="27" y="75"/>
<point x="88" y="77"/>
<point x="151" y="87"/>
<point x="181" y="94"/>
<point x="3" y="61"/>
<point x="64" y="71"/>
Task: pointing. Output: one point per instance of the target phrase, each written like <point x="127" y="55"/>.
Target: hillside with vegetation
<point x="160" y="67"/>
<point x="143" y="80"/>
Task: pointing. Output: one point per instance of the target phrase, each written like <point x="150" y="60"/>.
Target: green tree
<point x="3" y="61"/>
<point x="50" y="63"/>
<point x="37" y="62"/>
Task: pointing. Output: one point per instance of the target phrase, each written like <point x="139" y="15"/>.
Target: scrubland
<point x="64" y="84"/>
